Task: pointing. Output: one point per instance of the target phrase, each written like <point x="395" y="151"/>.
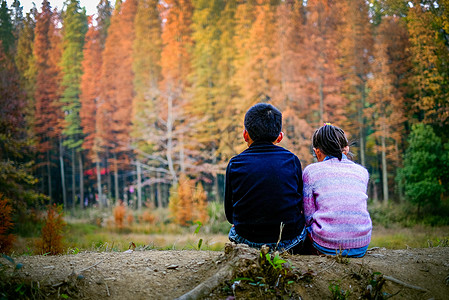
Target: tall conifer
<point x="6" y="28"/>
<point x="25" y="63"/>
<point x="147" y="49"/>
<point x="205" y="109"/>
<point x="117" y="90"/>
<point x="430" y="59"/>
<point x="74" y="31"/>
<point x="355" y="46"/>
<point x="48" y="112"/>
<point x="176" y="67"/>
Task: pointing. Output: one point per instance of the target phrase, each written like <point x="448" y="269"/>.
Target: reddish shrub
<point x="51" y="241"/>
<point x="6" y="240"/>
<point x="119" y="214"/>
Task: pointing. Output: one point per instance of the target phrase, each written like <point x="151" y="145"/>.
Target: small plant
<point x="337" y="292"/>
<point x="340" y="258"/>
<point x="51" y="241"/>
<point x="73" y="251"/>
<point x="200" y="241"/>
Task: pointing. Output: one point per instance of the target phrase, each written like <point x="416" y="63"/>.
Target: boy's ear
<point x="280" y="137"/>
<point x="246" y="136"/>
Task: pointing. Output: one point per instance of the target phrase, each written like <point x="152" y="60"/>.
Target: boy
<point x="263" y="194"/>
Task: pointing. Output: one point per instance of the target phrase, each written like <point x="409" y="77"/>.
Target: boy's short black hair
<point x="263" y="122"/>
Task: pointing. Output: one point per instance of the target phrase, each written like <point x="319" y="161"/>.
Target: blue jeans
<point x="352" y="252"/>
<point x="283" y="246"/>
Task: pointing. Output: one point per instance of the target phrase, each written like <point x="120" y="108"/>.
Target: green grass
<point x="395" y="227"/>
<point x="418" y="236"/>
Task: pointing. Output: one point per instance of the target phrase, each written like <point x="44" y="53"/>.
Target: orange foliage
<point x="147" y="217"/>
<point x="6" y="240"/>
<point x="188" y="204"/>
<point x="185" y="210"/>
<point x="90" y="90"/>
<point x="51" y="241"/>
<point x="119" y="214"/>
<point x="130" y="219"/>
<point x="47" y="52"/>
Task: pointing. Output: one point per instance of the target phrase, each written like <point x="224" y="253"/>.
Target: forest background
<point x="130" y="116"/>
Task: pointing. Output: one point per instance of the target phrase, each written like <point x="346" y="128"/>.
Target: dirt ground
<point x="154" y="274"/>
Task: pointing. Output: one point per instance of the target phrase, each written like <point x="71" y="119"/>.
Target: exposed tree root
<point x="236" y="255"/>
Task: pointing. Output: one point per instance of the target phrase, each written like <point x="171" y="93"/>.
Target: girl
<point x="335" y="199"/>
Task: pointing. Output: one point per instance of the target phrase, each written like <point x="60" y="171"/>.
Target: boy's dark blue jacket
<point x="264" y="188"/>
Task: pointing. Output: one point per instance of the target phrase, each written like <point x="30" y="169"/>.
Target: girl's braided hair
<point x="331" y="140"/>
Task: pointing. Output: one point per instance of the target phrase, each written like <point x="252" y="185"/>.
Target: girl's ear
<point x="320" y="156"/>
<point x="345" y="150"/>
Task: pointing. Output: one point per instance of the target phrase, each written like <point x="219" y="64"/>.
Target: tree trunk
<point x="215" y="174"/>
<point x="170" y="139"/>
<point x="181" y="155"/>
<point x="158" y="191"/>
<point x="320" y="87"/>
<point x="139" y="186"/>
<point x="109" y="179"/>
<point x="49" y="177"/>
<point x="73" y="179"/>
<point x="384" y="169"/>
<point x="116" y="178"/>
<point x="80" y="160"/>
<point x="61" y="163"/>
<point x="362" y="126"/>
<point x="99" y="187"/>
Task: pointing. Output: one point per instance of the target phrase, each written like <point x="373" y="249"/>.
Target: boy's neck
<point x="249" y="141"/>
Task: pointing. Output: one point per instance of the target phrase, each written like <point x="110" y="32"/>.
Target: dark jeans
<point x="294" y="245"/>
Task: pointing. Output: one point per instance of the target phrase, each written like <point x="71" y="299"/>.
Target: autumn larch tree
<point x="289" y="68"/>
<point x="176" y="67"/>
<point x="387" y="97"/>
<point x="48" y="112"/>
<point x="320" y="85"/>
<point x="117" y="91"/>
<point x="147" y="50"/>
<point x="355" y="46"/>
<point x="90" y="88"/>
<point x="430" y="58"/>
<point x="205" y="109"/>
<point x="229" y="130"/>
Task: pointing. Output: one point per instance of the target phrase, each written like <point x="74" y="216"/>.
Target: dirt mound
<point x="237" y="273"/>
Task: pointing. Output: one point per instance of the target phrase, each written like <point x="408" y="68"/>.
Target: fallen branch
<point x="410" y="286"/>
<point x="236" y="255"/>
<point x="207" y="286"/>
<point x="107" y="289"/>
<point x="85" y="269"/>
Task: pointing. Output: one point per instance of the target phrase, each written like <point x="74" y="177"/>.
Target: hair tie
<point x="327" y="123"/>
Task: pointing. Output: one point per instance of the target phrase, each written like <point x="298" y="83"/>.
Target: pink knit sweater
<point x="335" y="203"/>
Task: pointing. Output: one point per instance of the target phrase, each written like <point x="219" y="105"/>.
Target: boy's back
<point x="263" y="189"/>
<point x="263" y="195"/>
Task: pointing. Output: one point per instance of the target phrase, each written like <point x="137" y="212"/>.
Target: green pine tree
<point x="6" y="28"/>
<point x="74" y="31"/>
<point x="425" y="164"/>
